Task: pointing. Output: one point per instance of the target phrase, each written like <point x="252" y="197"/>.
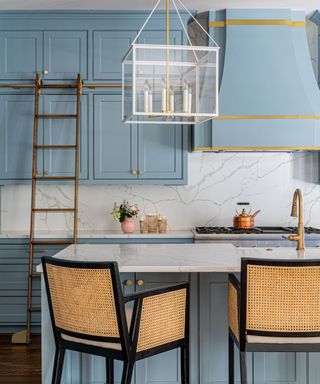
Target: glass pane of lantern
<point x="170" y="84"/>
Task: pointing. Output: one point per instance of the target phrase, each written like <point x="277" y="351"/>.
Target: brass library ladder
<point x="25" y="336"/>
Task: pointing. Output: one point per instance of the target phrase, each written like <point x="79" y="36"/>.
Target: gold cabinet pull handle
<point x="127" y="282"/>
<point x="45" y="71"/>
<point x="140" y="283"/>
<point x="39" y="172"/>
<point x="46" y="172"/>
<point x="134" y="172"/>
<point x="141" y="172"/>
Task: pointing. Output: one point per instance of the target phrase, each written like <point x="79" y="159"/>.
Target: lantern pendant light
<point x="170" y="84"/>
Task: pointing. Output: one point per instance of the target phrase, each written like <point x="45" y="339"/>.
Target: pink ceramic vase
<point x="128" y="225"/>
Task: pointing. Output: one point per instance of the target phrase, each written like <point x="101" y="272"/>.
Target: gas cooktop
<point x="256" y="230"/>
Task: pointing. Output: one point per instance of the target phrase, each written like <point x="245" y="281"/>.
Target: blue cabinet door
<point x="65" y="54"/>
<point x="60" y="162"/>
<point x="165" y="367"/>
<point x="20" y="54"/>
<point x="115" y="143"/>
<point x="109" y="47"/>
<point x="161" y="151"/>
<point x="16" y="137"/>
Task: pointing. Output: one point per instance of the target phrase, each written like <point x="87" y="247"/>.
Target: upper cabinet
<point x="135" y="154"/>
<point x="20" y="54"/>
<point x="109" y="47"/>
<point x="58" y="55"/>
<point x="65" y="55"/>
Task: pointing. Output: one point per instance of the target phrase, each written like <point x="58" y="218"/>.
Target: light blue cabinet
<point x="160" y="151"/>
<point x="20" y="54"/>
<point x="108" y="50"/>
<point x="65" y="55"/>
<point x="16" y="136"/>
<point x="115" y="143"/>
<point x="60" y="162"/>
<point x="135" y="153"/>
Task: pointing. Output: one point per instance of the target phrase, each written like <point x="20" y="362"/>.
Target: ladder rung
<point x="35" y="309"/>
<point x="56" y="116"/>
<point x="58" y="242"/>
<point x="55" y="147"/>
<point x="54" y="177"/>
<point x="53" y="209"/>
<point x="39" y="250"/>
<point x="35" y="275"/>
<point x="58" y="86"/>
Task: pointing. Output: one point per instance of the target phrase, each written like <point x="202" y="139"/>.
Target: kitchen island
<point x="205" y="266"/>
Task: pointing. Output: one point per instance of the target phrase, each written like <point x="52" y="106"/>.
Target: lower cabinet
<point x="14" y="285"/>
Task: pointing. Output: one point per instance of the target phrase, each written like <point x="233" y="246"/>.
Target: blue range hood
<point x="269" y="96"/>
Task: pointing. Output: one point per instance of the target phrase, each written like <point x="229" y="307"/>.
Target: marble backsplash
<point x="217" y="181"/>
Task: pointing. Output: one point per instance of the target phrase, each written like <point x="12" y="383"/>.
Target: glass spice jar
<point x="143" y="224"/>
<point x="162" y="224"/>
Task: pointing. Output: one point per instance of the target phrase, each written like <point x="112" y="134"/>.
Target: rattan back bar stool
<point x="275" y="308"/>
<point x="88" y="314"/>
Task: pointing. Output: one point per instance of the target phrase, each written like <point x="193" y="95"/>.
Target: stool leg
<point x="110" y="370"/>
<point x="58" y="365"/>
<point x="185" y="365"/>
<point x="127" y="372"/>
<point x="243" y="368"/>
<point x="231" y="360"/>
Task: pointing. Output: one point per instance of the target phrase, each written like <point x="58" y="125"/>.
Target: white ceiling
<point x="200" y="5"/>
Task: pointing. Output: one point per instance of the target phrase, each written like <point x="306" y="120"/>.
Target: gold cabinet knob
<point x="141" y="172"/>
<point x="140" y="283"/>
<point x="45" y="71"/>
<point x="134" y="172"/>
<point x="127" y="282"/>
<point x="46" y="172"/>
<point x="39" y="172"/>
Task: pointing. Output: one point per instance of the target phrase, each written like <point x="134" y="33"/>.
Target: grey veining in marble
<point x="177" y="257"/>
<point x="216" y="183"/>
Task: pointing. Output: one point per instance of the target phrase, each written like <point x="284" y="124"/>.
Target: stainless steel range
<point x="255" y="237"/>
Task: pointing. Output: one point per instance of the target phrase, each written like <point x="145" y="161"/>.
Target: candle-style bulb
<point x="171" y="99"/>
<point x="146" y="96"/>
<point x="185" y="102"/>
<point x="163" y="96"/>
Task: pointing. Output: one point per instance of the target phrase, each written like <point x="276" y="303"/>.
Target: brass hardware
<point x="85" y="85"/>
<point x="45" y="71"/>
<point x="286" y="23"/>
<point x="299" y="237"/>
<point x="46" y="172"/>
<point x="140" y="283"/>
<point x="141" y="172"/>
<point x="274" y="149"/>
<point x="39" y="172"/>
<point x="127" y="282"/>
<point x="134" y="172"/>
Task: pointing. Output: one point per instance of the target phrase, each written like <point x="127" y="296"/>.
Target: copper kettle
<point x="244" y="220"/>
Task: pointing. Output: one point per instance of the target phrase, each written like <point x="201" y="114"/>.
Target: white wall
<point x="216" y="183"/>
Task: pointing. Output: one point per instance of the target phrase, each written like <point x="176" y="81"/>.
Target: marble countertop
<point x="98" y="234"/>
<point x="177" y="257"/>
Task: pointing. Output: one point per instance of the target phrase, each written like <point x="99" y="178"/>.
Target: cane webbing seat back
<point x="283" y="299"/>
<point x="83" y="300"/>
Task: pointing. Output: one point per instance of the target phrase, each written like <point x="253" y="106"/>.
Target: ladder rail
<point x="35" y="178"/>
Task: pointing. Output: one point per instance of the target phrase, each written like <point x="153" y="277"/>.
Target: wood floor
<point x="20" y="363"/>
